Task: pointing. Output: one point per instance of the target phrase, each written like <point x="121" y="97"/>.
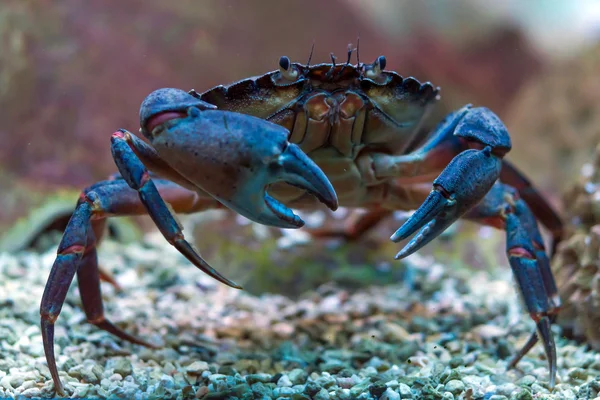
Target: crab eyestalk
<point x="231" y="156"/>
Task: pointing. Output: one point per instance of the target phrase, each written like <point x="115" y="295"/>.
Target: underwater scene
<point x="351" y="199"/>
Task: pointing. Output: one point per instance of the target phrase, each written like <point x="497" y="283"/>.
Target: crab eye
<point x="288" y="71"/>
<point x="195" y="94"/>
<point x="373" y="71"/>
<point x="284" y="63"/>
<point x="381" y="61"/>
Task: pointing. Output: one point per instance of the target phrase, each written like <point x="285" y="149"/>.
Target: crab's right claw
<point x="296" y="168"/>
<point x="234" y="157"/>
<point x="460" y="186"/>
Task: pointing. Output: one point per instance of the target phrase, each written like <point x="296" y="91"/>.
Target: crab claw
<point x="460" y="186"/>
<point x="233" y="157"/>
<point x="293" y="166"/>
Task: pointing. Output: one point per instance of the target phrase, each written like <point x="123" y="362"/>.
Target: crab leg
<point x="77" y="254"/>
<point x="540" y="207"/>
<point x="233" y="157"/>
<point x="481" y="140"/>
<point x="136" y="175"/>
<point x="502" y="207"/>
<point x="354" y="228"/>
<point x="447" y="141"/>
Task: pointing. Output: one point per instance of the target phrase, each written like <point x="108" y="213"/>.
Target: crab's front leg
<point x="477" y="140"/>
<point x="464" y="182"/>
<point x="231" y="156"/>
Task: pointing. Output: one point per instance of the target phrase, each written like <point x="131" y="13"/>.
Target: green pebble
<point x="326" y="381"/>
<point x="377" y="389"/>
<point x="248" y="366"/>
<point x="187" y="392"/>
<point x="578" y="374"/>
<point x="453" y="374"/>
<point x="254" y="378"/>
<point x="297" y="376"/>
<point x="454" y="386"/>
<point x="423" y="325"/>
<point x="456" y="362"/>
<point x="260" y="390"/>
<point x="406" y="350"/>
<point x="333" y="367"/>
<point x="527" y="380"/>
<point x="503" y="350"/>
<point x="321" y="395"/>
<point x="405" y="391"/>
<point x="300" y="396"/>
<point x="360" y="388"/>
<point x="429" y="391"/>
<point x="522" y="394"/>
<point x="227" y="370"/>
<point x="241" y="389"/>
<point x="123" y="367"/>
<point x="311" y="388"/>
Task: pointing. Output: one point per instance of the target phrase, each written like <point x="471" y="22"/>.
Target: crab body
<point x="338" y="115"/>
<point x="334" y="134"/>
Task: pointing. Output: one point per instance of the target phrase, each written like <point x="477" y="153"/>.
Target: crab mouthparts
<point x="161" y="118"/>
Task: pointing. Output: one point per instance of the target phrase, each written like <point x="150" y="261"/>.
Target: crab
<point x="337" y="134"/>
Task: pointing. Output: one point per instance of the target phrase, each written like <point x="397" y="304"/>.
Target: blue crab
<point x="336" y="134"/>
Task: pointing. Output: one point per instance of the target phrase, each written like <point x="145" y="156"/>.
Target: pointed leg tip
<point x="60" y="391"/>
<point x="545" y="333"/>
<point x="228" y="282"/>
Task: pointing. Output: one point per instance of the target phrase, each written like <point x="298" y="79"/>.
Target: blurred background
<point x="72" y="72"/>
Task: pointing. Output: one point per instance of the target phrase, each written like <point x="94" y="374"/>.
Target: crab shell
<point x="338" y="115"/>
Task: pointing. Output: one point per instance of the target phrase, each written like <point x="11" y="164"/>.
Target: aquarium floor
<point x="442" y="334"/>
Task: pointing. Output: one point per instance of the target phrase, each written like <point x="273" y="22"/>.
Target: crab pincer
<point x="463" y="183"/>
<point x="468" y="187"/>
<point x="231" y="156"/>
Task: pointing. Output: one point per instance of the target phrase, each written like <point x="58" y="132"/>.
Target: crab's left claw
<point x="463" y="183"/>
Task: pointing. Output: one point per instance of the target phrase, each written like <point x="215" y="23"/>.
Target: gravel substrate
<point x="441" y="334"/>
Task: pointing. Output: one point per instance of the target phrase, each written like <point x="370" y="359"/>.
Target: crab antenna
<point x="312" y="49"/>
<point x="357" y="47"/>
<point x="333" y="58"/>
<point x="350" y="50"/>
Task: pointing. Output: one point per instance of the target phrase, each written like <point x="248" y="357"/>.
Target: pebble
<point x="455" y="387"/>
<point x="284" y="381"/>
<point x="390" y="394"/>
<point x="217" y="342"/>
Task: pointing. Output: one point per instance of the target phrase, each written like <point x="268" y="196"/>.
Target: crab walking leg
<point x="70" y="252"/>
<point x="381" y="202"/>
<point x="462" y="185"/>
<point x="503" y="208"/>
<point x="355" y="228"/>
<point x="138" y="178"/>
<point x="77" y="253"/>
<point x="540" y="207"/>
